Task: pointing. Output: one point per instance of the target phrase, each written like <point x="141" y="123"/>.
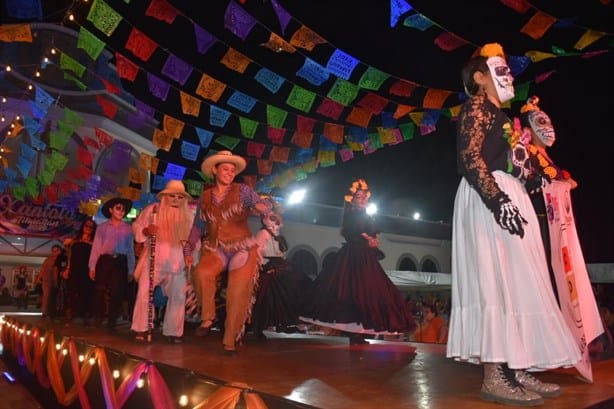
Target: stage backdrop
<point x="21" y="217"/>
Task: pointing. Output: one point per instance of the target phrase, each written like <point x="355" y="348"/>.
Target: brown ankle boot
<point x="502" y="387"/>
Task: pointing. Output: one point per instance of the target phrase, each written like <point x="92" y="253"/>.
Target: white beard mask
<point x="542" y="126"/>
<point x="502" y="79"/>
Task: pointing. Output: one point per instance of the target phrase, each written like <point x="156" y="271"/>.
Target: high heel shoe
<point x="204" y="328"/>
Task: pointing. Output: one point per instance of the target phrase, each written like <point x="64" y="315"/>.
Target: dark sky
<point x="420" y="174"/>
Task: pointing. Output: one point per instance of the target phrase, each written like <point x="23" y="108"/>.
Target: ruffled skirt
<point x="503" y="304"/>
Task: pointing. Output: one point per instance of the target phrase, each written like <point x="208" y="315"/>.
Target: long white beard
<point x="174" y="223"/>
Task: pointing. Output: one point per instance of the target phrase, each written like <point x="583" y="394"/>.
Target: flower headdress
<point x="275" y="207"/>
<point x="516" y="133"/>
<point x="492" y="50"/>
<point x="531" y="105"/>
<point x="358" y="184"/>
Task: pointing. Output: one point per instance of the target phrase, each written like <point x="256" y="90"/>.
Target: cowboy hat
<point x="106" y="208"/>
<point x="174" y="187"/>
<point x="222" y="157"/>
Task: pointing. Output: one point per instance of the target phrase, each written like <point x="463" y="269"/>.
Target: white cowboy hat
<point x="174" y="187"/>
<point x="222" y="157"/>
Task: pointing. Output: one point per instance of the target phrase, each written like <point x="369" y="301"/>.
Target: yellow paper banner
<point x="189" y="105"/>
<point x="278" y="44"/>
<point x="235" y="60"/>
<point x="210" y="88"/>
<point x="15" y="32"/>
<point x="148" y="162"/>
<point x="306" y="38"/>
<point x="173" y="127"/>
<point x="588" y="38"/>
<point x="162" y="140"/>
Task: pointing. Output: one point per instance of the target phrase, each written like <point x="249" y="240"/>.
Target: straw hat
<point x="174" y="187"/>
<point x="222" y="157"/>
<point x="106" y="208"/>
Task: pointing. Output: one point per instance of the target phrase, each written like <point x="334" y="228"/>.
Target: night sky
<point x="420" y="175"/>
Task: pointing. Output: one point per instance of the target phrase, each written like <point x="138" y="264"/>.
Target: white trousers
<point x="173" y="285"/>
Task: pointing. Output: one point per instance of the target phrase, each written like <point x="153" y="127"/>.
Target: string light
<point x="81" y="358"/>
<point x="115" y="374"/>
<point x="65" y="352"/>
<point x="140" y="383"/>
<point x="183" y="400"/>
<point x="57" y="347"/>
<point x="92" y="361"/>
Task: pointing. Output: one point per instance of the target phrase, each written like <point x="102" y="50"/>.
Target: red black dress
<point x="353" y="293"/>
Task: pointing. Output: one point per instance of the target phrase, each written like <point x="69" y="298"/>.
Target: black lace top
<point x="482" y="147"/>
<point x="355" y="222"/>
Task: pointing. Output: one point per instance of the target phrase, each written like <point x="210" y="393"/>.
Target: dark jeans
<point x="111" y="274"/>
<point x="80" y="296"/>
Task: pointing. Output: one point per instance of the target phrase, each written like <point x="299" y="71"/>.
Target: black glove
<point x="508" y="217"/>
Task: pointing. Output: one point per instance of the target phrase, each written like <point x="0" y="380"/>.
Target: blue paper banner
<point x="189" y="150"/>
<point x="269" y="80"/>
<point x="218" y="116"/>
<point x="205" y="137"/>
<point x="174" y="172"/>
<point x="341" y="64"/>
<point x="241" y="101"/>
<point x="313" y="72"/>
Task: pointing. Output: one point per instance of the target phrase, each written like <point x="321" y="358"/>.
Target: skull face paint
<point x="273" y="223"/>
<point x="542" y="126"/>
<point x="502" y="78"/>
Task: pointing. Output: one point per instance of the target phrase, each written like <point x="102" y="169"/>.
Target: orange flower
<point x="492" y="50"/>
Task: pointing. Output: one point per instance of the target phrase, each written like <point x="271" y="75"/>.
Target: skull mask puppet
<point x="272" y="222"/>
<point x="542" y="126"/>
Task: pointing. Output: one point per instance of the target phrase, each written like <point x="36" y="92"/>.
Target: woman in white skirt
<point x="504" y="314"/>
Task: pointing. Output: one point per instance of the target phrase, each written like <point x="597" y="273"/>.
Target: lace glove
<point x="508" y="217"/>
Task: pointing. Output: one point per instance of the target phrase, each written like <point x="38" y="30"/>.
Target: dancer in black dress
<point x="279" y="285"/>
<point x="80" y="288"/>
<point x="354" y="294"/>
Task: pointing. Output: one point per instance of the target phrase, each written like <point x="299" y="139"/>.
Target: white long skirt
<point x="503" y="304"/>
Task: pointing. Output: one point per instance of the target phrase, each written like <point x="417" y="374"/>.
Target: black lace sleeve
<point x="476" y="122"/>
<point x="356" y="222"/>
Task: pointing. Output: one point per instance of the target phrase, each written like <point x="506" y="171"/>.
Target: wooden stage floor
<point x="325" y="372"/>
